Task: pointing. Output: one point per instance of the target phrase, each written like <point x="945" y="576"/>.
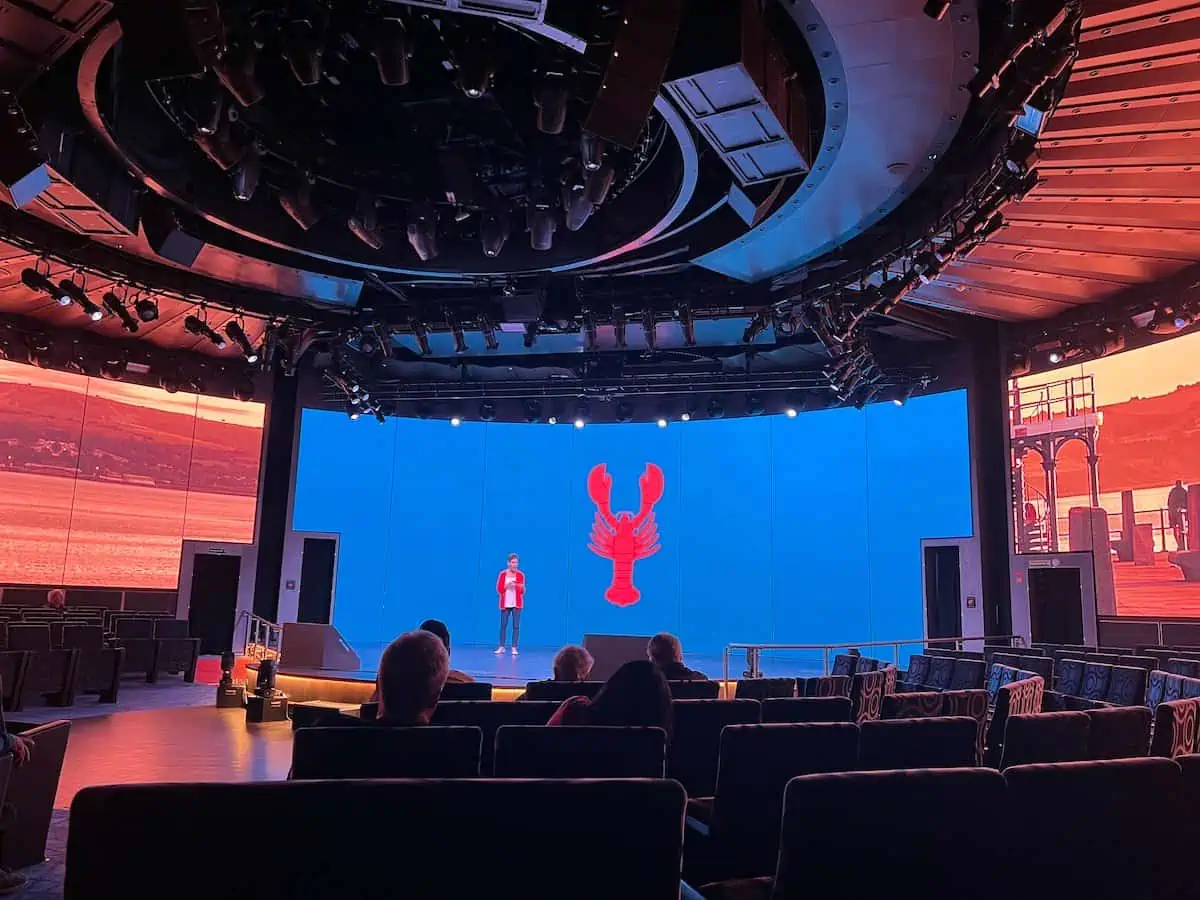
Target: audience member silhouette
<point x="412" y="672"/>
<point x="572" y="663"/>
<point x="664" y="651"/>
<point x="435" y="626"/>
<point x="637" y="694"/>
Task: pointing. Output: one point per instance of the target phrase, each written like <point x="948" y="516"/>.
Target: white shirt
<point x="510" y="591"/>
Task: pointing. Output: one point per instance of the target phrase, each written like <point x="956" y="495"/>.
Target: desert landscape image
<point x="100" y="482"/>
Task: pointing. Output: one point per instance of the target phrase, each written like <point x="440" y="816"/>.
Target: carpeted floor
<point x="135" y="696"/>
<point x="46" y="881"/>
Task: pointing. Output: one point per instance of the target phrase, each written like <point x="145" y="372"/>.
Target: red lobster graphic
<point x="624" y="538"/>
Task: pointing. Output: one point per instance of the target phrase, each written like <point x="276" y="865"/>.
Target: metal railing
<point x="1014" y="640"/>
<point x="264" y="638"/>
<point x="1068" y="398"/>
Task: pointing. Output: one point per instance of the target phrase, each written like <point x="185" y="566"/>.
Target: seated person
<point x="665" y="652"/>
<point x="571" y="663"/>
<point x="434" y="626"/>
<point x="56" y="598"/>
<point x="21" y="750"/>
<point x="412" y="672"/>
<point x="637" y="694"/>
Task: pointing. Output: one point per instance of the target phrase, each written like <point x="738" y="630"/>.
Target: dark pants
<point x="515" y="614"/>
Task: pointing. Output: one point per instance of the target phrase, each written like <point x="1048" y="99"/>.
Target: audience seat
<point x="973" y="704"/>
<point x="1023" y="697"/>
<point x="696" y="739"/>
<point x="99" y="666"/>
<point x="844" y="664"/>
<point x="735" y="834"/>
<point x="763" y="688"/>
<point x="382" y="752"/>
<point x="1095" y="680"/>
<point x="559" y="691"/>
<point x="32" y="790"/>
<point x="1119" y="732"/>
<point x="967" y="675"/>
<point x="1175" y="728"/>
<point x="362" y="839"/>
<point x="836" y="839"/>
<point x="998" y="676"/>
<point x="1156" y="688"/>
<point x="1187" y="667"/>
<point x="918" y="671"/>
<point x="14" y="667"/>
<point x="1116" y="828"/>
<point x="931" y="742"/>
<point x="467" y="690"/>
<point x="52" y="674"/>
<point x="1070" y="676"/>
<point x="866" y="693"/>
<point x="806" y="709"/>
<point x="912" y="705"/>
<point x="824" y="686"/>
<point x="586" y="751"/>
<point x="1042" y="665"/>
<point x="136" y="636"/>
<point x="941" y="670"/>
<point x="700" y="689"/>
<point x="1126" y="686"/>
<point x="490" y="715"/>
<point x="1045" y="738"/>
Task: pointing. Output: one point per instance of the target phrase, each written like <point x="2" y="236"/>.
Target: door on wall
<point x="317" y="568"/>
<point x="213" y="609"/>
<point x="1056" y="605"/>
<point x="943" y="590"/>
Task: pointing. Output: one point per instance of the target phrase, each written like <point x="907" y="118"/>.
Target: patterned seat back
<point x="941" y="670"/>
<point x="1138" y="662"/>
<point x="1020" y="698"/>
<point x="1095" y="680"/>
<point x="1174" y="728"/>
<point x="843" y="664"/>
<point x="918" y="669"/>
<point x="866" y="664"/>
<point x="968" y="674"/>
<point x="914" y="705"/>
<point x="1188" y="667"/>
<point x="999" y="676"/>
<point x="891" y="674"/>
<point x="1173" y="689"/>
<point x="1127" y="686"/>
<point x="1045" y="738"/>
<point x="1070" y="676"/>
<point x="969" y="703"/>
<point x="1119" y="732"/>
<point x="867" y="695"/>
<point x="930" y="742"/>
<point x="1191" y="687"/>
<point x="762" y="688"/>
<point x="826" y="686"/>
<point x="1156" y="688"/>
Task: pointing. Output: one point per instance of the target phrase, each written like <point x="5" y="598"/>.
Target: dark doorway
<point x="943" y="612"/>
<point x="213" y="607"/>
<point x="316" y="580"/>
<point x="1055" y="606"/>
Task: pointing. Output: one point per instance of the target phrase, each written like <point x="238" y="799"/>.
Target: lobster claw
<point x="599" y="486"/>
<point x="652" y="485"/>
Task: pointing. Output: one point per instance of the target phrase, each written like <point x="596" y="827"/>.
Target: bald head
<point x="412" y="672"/>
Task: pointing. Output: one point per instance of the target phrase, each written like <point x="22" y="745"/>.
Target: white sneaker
<point x="516" y="652"/>
<point x="500" y="649"/>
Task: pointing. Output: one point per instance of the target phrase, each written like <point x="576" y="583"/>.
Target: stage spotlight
<point x="1168" y="320"/>
<point x="756" y="326"/>
<point x="487" y="411"/>
<point x="169" y="381"/>
<point x="791" y="412"/>
<point x="146" y="309"/>
<point x="493" y="231"/>
<point x="460" y="337"/>
<point x="237" y="334"/>
<point x="591" y="151"/>
<point x="422" y="230"/>
<point x="247" y="174"/>
<point x="455" y="421"/>
<point x="114" y="368"/>
<point x="421" y="333"/>
<point x="580" y="423"/>
<point x="235" y="69"/>
<point x="868" y="397"/>
<point x="228" y="660"/>
<point x="905" y="393"/>
<point x="1055" y="357"/>
<point x="587" y="330"/>
<point x="688" y="323"/>
<point x="716" y="409"/>
<point x="578" y="208"/>
<point x="552" y="420"/>
<point x="475" y="70"/>
<point x="624" y="411"/>
<point x="551" y="97"/>
<point x="219" y="146"/>
<point x="650" y="328"/>
<point x="533" y="410"/>
<point x="937" y="9"/>
<point x="662" y="422"/>
<point x="297" y="202"/>
<point x="303" y="48"/>
<point x="392" y="51"/>
<point x="353" y="412"/>
<point x="488" y="329"/>
<point x="244" y="390"/>
<point x="36" y="281"/>
<point x="116" y="307"/>
<point x="200" y="328"/>
<point x="581" y="415"/>
<point x="596" y="188"/>
<point x="542" y="225"/>
<point x="364" y="224"/>
<point x="531" y="334"/>
<point x="619" y="327"/>
<point x="754" y="405"/>
<point x="73" y="293"/>
<point x="685" y="416"/>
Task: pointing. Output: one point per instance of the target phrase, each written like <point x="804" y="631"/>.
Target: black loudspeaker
<point x="169" y="38"/>
<point x="266" y="709"/>
<point x="164" y="232"/>
<point x="231" y="696"/>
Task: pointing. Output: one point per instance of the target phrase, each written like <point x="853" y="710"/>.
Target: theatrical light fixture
<point x="598" y="184"/>
<point x="551" y="97"/>
<point x="906" y="392"/>
<point x="531" y="334"/>
<point x="146" y="309"/>
<point x="1168" y="320"/>
<point x="73" y="293"/>
<point x="460" y="337"/>
<point x="364" y="224"/>
<point x="235" y="69"/>
<point x="716" y="409"/>
<point x="246" y="175"/>
<point x="661" y="422"/>
<point x="619" y="327"/>
<point x="533" y="410"/>
<point x="757" y="325"/>
<point x="791" y="412"/>
<point x="493" y="231"/>
<point x="578" y="208"/>
<point x="754" y="405"/>
<point x="36" y="281"/>
<point x="688" y="323"/>
<point x="581" y="415"/>
<point x="580" y="423"/>
<point x="392" y="51"/>
<point x="244" y="390"/>
<point x="353" y="412"/>
<point x="1055" y="357"/>
<point x="237" y="334"/>
<point x="200" y="328"/>
<point x="587" y="330"/>
<point x="623" y="412"/>
<point x="303" y="48"/>
<point x="649" y="328"/>
<point x="488" y="328"/>
<point x="455" y="421"/>
<point x="421" y="333"/>
<point x="297" y="202"/>
<point x="542" y="225"/>
<point x="487" y="411"/>
<point x="591" y="151"/>
<point x="114" y="368"/>
<point x="117" y="307"/>
<point x="552" y="420"/>
<point x="422" y="230"/>
<point x="475" y="69"/>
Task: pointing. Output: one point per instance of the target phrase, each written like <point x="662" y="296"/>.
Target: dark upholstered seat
<point x="141" y="650"/>
<point x="1020" y="698"/>
<point x="867" y="664"/>
<point x="866" y="693"/>
<point x="740" y="837"/>
<point x="1119" y="732"/>
<point x="1188" y="667"/>
<point x="561" y="690"/>
<point x="1070" y="677"/>
<point x="844" y="664"/>
<point x="1126" y="686"/>
<point x="762" y="688"/>
<point x="99" y="666"/>
<point x="1175" y="728"/>
<point x="824" y="686"/>
<point x="1044" y="738"/>
<point x="32" y="789"/>
<point x="52" y="674"/>
<point x="1042" y="665"/>
<point x="171" y="628"/>
<point x="696" y="740"/>
<point x="836" y="839"/>
<point x="934" y="742"/>
<point x="918" y="670"/>
<point x="585" y="751"/>
<point x="467" y="690"/>
<point x="698" y="689"/>
<point x="1095" y="680"/>
<point x="1123" y="836"/>
<point x="14" y="666"/>
<point x="968" y="674"/>
<point x="912" y="705"/>
<point x="1156" y="688"/>
<point x="383" y="752"/>
<point x="941" y="670"/>
<point x="973" y="704"/>
<point x="353" y="840"/>
<point x="998" y="676"/>
<point x="806" y="709"/>
<point x="488" y="716"/>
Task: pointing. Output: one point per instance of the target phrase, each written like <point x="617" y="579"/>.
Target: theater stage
<point x="508" y="674"/>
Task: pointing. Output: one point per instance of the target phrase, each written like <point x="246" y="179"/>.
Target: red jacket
<point x="520" y="588"/>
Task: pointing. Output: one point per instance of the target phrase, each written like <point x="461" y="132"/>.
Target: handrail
<point x="1015" y="640"/>
<point x="264" y="638"/>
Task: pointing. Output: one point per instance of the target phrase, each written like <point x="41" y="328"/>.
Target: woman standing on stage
<point x="511" y="588"/>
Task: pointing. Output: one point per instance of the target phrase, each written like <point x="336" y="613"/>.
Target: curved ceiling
<point x="1118" y="205"/>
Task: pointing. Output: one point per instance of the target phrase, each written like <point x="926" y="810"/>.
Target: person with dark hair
<point x="572" y="663"/>
<point x="510" y="586"/>
<point x="637" y="694"/>
<point x="436" y="626"/>
<point x="412" y="672"/>
<point x="665" y="651"/>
